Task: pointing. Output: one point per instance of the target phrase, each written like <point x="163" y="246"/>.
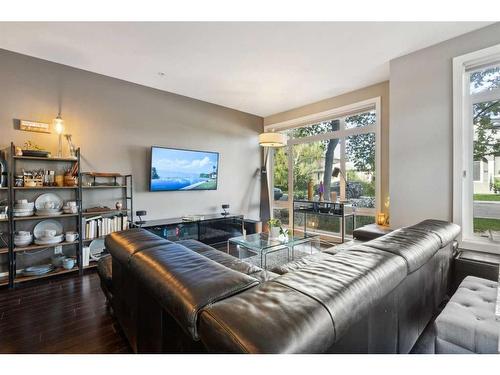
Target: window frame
<point x="463" y="133"/>
<point x="336" y="113"/>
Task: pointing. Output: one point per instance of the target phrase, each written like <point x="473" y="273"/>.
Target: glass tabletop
<point x="262" y="241"/>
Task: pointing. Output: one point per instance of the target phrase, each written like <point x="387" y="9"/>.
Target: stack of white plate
<point x="49" y="240"/>
<point x="38" y="270"/>
<point x="23" y="238"/>
<point x="46" y="226"/>
<point x="48" y="205"/>
<point x="23" y="208"/>
<point x="48" y="212"/>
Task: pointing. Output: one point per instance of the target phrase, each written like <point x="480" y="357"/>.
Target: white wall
<point x="421" y="138"/>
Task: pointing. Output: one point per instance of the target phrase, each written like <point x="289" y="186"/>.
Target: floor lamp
<point x="267" y="141"/>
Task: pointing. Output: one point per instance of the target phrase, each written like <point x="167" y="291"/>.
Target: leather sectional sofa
<point x="186" y="297"/>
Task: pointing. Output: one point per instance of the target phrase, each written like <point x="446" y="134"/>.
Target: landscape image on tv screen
<point x="175" y="169"/>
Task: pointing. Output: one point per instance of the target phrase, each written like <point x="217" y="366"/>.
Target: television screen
<point x="176" y="169"/>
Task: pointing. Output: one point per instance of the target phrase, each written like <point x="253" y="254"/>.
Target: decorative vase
<point x="333" y="196"/>
<point x="274" y="232"/>
<point x="321" y="197"/>
<point x="310" y="190"/>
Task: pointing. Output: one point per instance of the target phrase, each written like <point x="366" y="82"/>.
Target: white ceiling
<point x="259" y="68"/>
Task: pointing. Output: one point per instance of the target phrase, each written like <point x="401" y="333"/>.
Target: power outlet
<point x="57" y="250"/>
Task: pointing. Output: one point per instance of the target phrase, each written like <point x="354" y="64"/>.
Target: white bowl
<point x="24" y="213"/>
<point x="24" y="206"/>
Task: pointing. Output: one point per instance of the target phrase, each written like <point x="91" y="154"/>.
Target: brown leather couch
<point x="371" y="298"/>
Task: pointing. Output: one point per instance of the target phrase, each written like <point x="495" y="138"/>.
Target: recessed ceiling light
<point x="161" y="74"/>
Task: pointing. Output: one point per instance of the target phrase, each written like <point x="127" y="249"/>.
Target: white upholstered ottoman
<point x="467" y="324"/>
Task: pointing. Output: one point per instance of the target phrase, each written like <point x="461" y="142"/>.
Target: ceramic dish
<point x="48" y="213"/>
<point x="38" y="270"/>
<point x="49" y="240"/>
<point x="47" y="225"/>
<point x="24" y="206"/>
<point x="96" y="249"/>
<point x="23" y="241"/>
<point x="48" y="201"/>
<point x="23" y="209"/>
<point x="23" y="213"/>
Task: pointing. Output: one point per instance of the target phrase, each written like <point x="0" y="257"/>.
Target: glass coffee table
<point x="262" y="244"/>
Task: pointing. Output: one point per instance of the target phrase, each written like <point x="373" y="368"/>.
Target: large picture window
<point x="348" y="141"/>
<point x="477" y="149"/>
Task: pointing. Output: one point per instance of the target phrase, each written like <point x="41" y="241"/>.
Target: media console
<point x="209" y="229"/>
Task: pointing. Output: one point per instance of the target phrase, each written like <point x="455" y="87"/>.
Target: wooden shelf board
<point x="57" y="271"/>
<point x="92" y="264"/>
<point x="105" y="187"/>
<point x="45" y="159"/>
<point x="3" y="220"/>
<point x="44" y="187"/>
<point x="4" y="188"/>
<point x="103" y="174"/>
<point x="4" y="250"/>
<point x="35" y="247"/>
<point x="4" y="280"/>
<point x="41" y="217"/>
<point x="104" y="212"/>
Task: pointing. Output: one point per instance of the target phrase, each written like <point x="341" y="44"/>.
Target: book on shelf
<point x="98" y="226"/>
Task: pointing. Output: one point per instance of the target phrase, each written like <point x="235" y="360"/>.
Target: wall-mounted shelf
<point x="4" y="250"/>
<point x="39" y="158"/>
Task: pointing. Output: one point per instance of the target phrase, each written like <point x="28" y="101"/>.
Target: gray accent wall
<point x="116" y="122"/>
<point x="421" y="136"/>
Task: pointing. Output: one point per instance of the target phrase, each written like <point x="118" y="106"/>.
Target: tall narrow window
<point x="477" y="149"/>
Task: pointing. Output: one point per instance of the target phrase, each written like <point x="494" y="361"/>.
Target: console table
<point x="324" y="208"/>
<point x="209" y="229"/>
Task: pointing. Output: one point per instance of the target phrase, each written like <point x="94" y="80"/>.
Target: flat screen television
<point x="177" y="169"/>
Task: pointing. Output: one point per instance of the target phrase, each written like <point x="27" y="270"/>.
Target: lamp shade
<point x="272" y="139"/>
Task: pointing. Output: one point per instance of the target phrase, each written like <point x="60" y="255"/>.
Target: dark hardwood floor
<point x="64" y="315"/>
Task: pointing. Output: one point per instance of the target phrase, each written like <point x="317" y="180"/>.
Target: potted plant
<point x="274" y="227"/>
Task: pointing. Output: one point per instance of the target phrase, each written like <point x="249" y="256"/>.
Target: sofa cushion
<point x="369" y="232"/>
<point x="123" y="245"/>
<point x="299" y="263"/>
<point x="414" y="246"/>
<point x="271" y="318"/>
<point x="444" y="230"/>
<point x="183" y="282"/>
<point x="349" y="283"/>
<point x="468" y="319"/>
<point x="307" y="310"/>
